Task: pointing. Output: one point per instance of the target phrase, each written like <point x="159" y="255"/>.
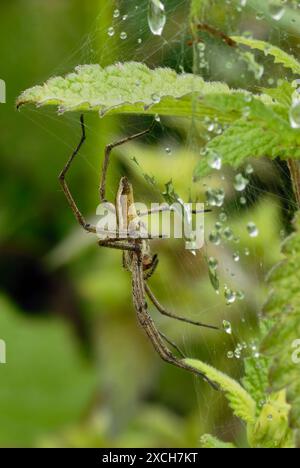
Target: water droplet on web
<point x="215" y="197"/>
<point x="157" y="118"/>
<point x="243" y="201"/>
<point x="236" y="257"/>
<point x="276" y="10"/>
<point x="227" y="327"/>
<point x="252" y="229"/>
<point x="240" y="183"/>
<point x="247" y="252"/>
<point x="230" y="355"/>
<point x="228" y="234"/>
<point x="249" y="169"/>
<point x="295" y="114"/>
<point x="230" y="296"/>
<point x="213" y="263"/>
<point x="116" y="13"/>
<point x="240" y="295"/>
<point x="168" y="150"/>
<point x="124" y="17"/>
<point x="156" y="17"/>
<point x="213" y="275"/>
<point x="215" y="161"/>
<point x="123" y="35"/>
<point x="111" y="31"/>
<point x="215" y="238"/>
<point x="223" y="217"/>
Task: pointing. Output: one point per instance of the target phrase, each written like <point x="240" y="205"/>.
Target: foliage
<point x="282" y="308"/>
<point x="40" y="391"/>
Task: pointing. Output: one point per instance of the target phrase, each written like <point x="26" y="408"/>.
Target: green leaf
<point x="256" y="378"/>
<point x="281" y="57"/>
<point x="135" y="89"/>
<point x="207" y="441"/>
<point x="240" y="401"/>
<point x="45" y="384"/>
<point x="283" y="307"/>
<point x="271" y="429"/>
<point x="252" y="138"/>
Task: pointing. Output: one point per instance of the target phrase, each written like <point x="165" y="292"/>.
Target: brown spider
<point x="137" y="257"/>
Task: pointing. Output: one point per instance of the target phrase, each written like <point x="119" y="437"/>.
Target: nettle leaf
<point x="256" y="380"/>
<point x="271" y="429"/>
<point x="239" y="399"/>
<point x="264" y="131"/>
<point x="281" y="57"/>
<point x="251" y="139"/>
<point x="283" y="307"/>
<point x="207" y="441"/>
<point x="136" y="89"/>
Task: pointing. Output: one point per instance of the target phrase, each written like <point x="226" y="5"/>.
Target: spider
<point x="137" y="256"/>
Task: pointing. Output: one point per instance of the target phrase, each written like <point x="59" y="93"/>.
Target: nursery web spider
<point x="137" y="257"/>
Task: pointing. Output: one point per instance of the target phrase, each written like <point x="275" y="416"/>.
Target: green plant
<point x="265" y="124"/>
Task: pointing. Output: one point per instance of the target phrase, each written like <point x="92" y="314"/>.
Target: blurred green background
<point x="79" y="370"/>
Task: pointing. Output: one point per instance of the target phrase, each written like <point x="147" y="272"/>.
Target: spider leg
<point x="62" y="179"/>
<point x="109" y="148"/>
<point x="152" y="268"/>
<point x="117" y="244"/>
<point x="166" y="208"/>
<point x="163" y="311"/>
<point x="146" y="322"/>
<point x="175" y="346"/>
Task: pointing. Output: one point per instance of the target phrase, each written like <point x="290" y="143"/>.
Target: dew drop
<point x="240" y="183"/>
<point x="155" y="98"/>
<point x="156" y="17"/>
<point x="215" y="238"/>
<point x="215" y="197"/>
<point x="252" y="229"/>
<point x="249" y="169"/>
<point x="227" y="327"/>
<point x="236" y="257"/>
<point x="230" y="296"/>
<point x="168" y="150"/>
<point x="213" y="275"/>
<point x="123" y="35"/>
<point x="228" y="234"/>
<point x="213" y="263"/>
<point x="215" y="161"/>
<point x="295" y="114"/>
<point x="276" y="10"/>
<point x="111" y="31"/>
<point x="116" y="13"/>
<point x="230" y="355"/>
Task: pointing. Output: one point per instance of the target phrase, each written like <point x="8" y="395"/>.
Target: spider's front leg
<point x="62" y="179"/>
<point x="109" y="148"/>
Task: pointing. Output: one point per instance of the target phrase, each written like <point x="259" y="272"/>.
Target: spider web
<point x="243" y="259"/>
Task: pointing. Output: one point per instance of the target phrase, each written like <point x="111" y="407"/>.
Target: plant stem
<point x="294" y="168"/>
